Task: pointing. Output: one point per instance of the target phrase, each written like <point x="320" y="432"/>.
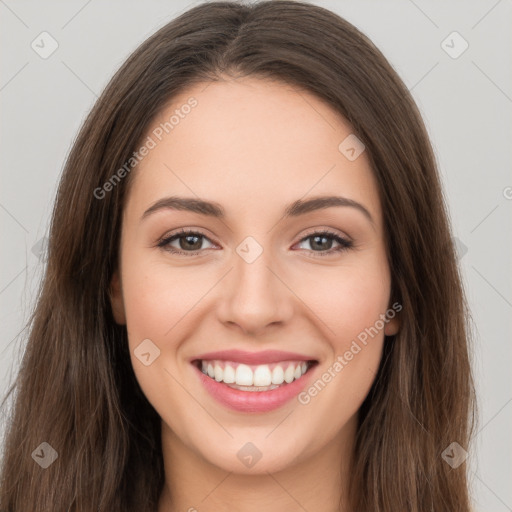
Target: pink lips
<point x="253" y="401"/>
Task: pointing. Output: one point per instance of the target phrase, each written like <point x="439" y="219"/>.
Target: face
<point x="283" y="290"/>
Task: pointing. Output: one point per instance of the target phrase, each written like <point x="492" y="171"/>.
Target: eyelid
<point x="309" y="232"/>
<point x="325" y="229"/>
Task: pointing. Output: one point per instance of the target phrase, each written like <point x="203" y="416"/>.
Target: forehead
<point x="251" y="143"/>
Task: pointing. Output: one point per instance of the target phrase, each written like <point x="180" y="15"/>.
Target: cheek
<point x="349" y="300"/>
<point x="354" y="331"/>
<point x="156" y="298"/>
<point x="157" y="301"/>
<point x="350" y="303"/>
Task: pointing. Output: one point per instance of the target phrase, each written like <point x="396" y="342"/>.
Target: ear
<point x="116" y="299"/>
<point x="393" y="326"/>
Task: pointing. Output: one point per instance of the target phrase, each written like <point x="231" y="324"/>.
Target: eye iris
<point x="319" y="245"/>
<point x="194" y="245"/>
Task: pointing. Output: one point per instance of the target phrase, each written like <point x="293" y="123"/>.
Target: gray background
<point x="466" y="103"/>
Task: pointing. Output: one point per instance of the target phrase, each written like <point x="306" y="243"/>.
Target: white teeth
<point x="218" y="373"/>
<point x="256" y="378"/>
<point x="243" y="375"/>
<point x="262" y="376"/>
<point x="229" y="375"/>
<point x="289" y="374"/>
<point x="278" y="375"/>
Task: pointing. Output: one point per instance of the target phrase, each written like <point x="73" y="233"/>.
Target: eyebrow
<point x="213" y="209"/>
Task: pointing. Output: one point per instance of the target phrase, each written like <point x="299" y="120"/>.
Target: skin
<point x="254" y="146"/>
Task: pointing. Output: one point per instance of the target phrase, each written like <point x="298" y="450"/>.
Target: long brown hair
<point x="76" y="389"/>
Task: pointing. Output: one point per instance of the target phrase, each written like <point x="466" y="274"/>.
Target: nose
<point x="256" y="297"/>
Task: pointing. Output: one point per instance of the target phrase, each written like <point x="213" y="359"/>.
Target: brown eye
<point x="189" y="242"/>
<point x="322" y="242"/>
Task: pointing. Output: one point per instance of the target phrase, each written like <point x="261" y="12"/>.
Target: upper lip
<point x="263" y="357"/>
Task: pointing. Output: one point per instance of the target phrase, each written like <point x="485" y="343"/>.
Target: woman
<point x="252" y="299"/>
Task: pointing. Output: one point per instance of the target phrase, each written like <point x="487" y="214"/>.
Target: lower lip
<point x="254" y="401"/>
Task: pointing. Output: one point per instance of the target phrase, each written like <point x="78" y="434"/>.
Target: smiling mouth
<point x="263" y="377"/>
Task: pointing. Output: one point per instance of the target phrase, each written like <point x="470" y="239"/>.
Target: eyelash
<point x="344" y="244"/>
